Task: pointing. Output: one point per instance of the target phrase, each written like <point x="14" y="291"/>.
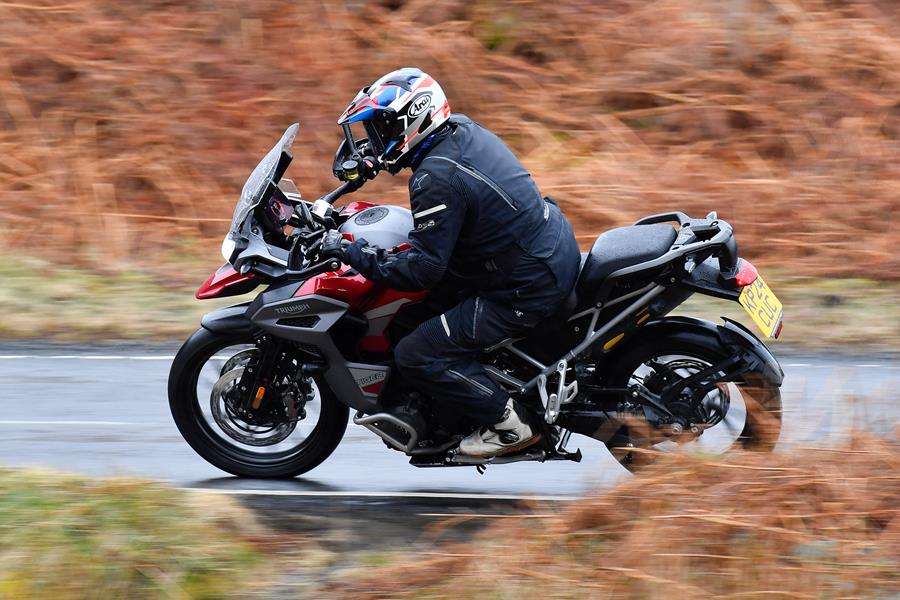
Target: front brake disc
<point x="241" y="359"/>
<point x="233" y="425"/>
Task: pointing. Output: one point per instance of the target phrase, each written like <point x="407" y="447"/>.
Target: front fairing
<point x="227" y="282"/>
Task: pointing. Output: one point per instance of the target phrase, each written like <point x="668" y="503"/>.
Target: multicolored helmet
<point x="398" y="111"/>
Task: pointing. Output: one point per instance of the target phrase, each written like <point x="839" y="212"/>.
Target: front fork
<point x="256" y="380"/>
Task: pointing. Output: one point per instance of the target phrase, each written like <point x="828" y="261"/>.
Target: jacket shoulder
<point x="461" y="119"/>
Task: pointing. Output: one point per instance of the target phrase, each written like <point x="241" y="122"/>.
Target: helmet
<point x="398" y="111"/>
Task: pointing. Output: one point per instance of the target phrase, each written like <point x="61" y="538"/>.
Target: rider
<point x="478" y="218"/>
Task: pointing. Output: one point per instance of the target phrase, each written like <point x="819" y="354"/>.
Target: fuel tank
<point x="383" y="226"/>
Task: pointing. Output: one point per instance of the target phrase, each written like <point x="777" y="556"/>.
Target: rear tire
<point x="762" y="426"/>
<point x="184" y="404"/>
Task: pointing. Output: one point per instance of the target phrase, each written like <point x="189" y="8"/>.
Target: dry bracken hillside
<point x="817" y="523"/>
<point x="127" y="128"/>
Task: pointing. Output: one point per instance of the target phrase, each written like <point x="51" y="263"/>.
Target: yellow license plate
<point x="763" y="307"/>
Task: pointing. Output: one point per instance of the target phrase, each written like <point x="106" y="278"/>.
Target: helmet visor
<point x="385" y="131"/>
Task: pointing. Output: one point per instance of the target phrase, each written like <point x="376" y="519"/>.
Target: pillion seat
<point x="620" y="248"/>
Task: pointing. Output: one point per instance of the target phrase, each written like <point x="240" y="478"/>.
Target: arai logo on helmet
<point x="418" y="106"/>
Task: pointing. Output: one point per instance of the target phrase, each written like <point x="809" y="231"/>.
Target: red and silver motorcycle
<point x="264" y="388"/>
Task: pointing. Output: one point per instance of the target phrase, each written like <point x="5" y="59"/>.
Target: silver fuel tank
<point x="383" y="226"/>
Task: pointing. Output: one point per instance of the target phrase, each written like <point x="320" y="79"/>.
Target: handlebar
<point x="345" y="188"/>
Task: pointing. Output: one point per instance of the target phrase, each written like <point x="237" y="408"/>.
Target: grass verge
<point x="66" y="304"/>
<point x="819" y="523"/>
<point x="63" y="536"/>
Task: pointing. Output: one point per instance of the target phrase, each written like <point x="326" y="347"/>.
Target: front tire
<point x="233" y="458"/>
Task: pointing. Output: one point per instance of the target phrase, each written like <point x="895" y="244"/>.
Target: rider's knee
<point x="408" y="355"/>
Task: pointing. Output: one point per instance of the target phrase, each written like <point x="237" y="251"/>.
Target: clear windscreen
<point x="256" y="184"/>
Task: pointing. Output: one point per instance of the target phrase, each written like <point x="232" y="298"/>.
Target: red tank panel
<point x="379" y="304"/>
<point x="352" y="289"/>
<point x="380" y="309"/>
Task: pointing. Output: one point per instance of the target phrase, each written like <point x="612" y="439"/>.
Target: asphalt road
<point x="103" y="411"/>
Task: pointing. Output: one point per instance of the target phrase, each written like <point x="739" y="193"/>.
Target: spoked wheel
<point x="741" y="412"/>
<point x="297" y="429"/>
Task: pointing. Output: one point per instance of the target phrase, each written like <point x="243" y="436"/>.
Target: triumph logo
<point x="291" y="310"/>
<point x="419" y="105"/>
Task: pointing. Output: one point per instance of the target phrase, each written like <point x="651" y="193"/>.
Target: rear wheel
<point x="741" y="411"/>
<point x="301" y="427"/>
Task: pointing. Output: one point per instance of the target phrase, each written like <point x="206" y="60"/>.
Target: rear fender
<point x="736" y="336"/>
<point x="731" y="335"/>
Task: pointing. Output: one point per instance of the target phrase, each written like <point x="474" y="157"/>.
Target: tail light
<point x="746" y="273"/>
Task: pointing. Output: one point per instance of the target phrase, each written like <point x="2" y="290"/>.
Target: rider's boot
<point x="509" y="435"/>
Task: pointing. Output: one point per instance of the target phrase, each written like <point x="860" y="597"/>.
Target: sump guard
<point x="307" y="320"/>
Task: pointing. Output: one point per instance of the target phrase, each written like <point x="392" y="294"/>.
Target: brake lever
<point x="300" y="242"/>
<point x="305" y="215"/>
<point x="313" y="249"/>
<point x="332" y="264"/>
<point x="311" y="236"/>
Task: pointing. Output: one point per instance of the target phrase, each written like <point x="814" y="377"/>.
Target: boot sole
<point x="520" y="446"/>
<point x="510" y="449"/>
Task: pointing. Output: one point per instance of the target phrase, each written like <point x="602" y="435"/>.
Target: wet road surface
<point x="103" y="411"/>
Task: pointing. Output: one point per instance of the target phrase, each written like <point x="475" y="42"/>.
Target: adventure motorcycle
<point x="264" y="388"/>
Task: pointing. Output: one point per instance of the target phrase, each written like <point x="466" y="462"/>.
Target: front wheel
<point x="740" y="411"/>
<point x="301" y="426"/>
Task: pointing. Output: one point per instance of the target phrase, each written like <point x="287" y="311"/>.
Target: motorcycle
<point x="264" y="388"/>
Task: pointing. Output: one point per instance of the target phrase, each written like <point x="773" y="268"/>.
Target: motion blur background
<point x="127" y="129"/>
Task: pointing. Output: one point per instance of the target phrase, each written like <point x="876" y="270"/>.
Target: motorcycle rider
<point x="479" y="218"/>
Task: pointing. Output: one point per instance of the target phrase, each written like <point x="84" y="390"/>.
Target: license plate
<point x="763" y="307"/>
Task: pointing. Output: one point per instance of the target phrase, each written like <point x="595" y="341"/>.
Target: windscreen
<point x="258" y="180"/>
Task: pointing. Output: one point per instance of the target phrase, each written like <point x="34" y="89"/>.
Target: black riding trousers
<point x="441" y="356"/>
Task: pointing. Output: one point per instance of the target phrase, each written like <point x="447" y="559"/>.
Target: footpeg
<point x="564" y="392"/>
<point x="502" y="459"/>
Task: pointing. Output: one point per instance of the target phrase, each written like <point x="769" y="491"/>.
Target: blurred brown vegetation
<point x="126" y="129"/>
<point x="818" y="523"/>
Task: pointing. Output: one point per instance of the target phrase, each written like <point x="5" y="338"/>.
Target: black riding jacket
<point x="479" y="216"/>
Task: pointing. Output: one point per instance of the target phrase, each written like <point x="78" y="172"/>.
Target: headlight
<point x="227" y="248"/>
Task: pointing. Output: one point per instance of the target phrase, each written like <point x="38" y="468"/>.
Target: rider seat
<point x="620" y="248"/>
